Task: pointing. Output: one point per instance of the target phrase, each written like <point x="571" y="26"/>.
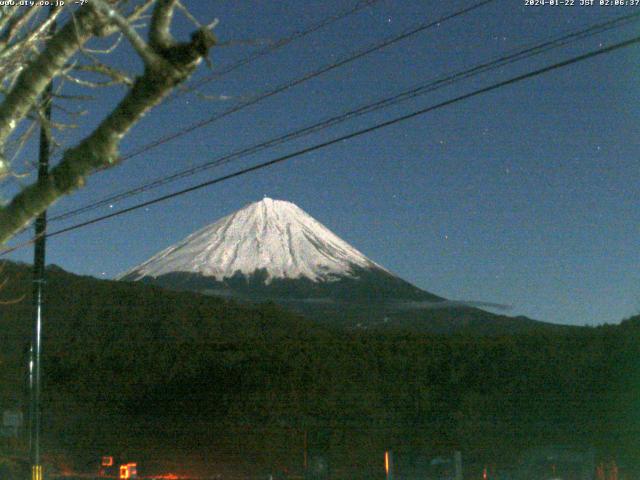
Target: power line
<point x="358" y="133"/>
<point x="348" y="59"/>
<point x="316" y="73"/>
<point x="421" y="89"/>
<point x="360" y="5"/>
<point x="281" y="43"/>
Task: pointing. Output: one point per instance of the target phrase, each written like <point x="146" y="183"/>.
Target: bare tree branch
<point x="117" y="77"/>
<point x="63" y="96"/>
<point x="140" y="10"/>
<point x="187" y="14"/>
<point x="34" y="78"/>
<point x="145" y="51"/>
<point x="69" y="112"/>
<point x="104" y="51"/>
<point x="13" y="23"/>
<point x="160" y="34"/>
<point x="87" y="83"/>
<point x="28" y="41"/>
<point x="100" y="149"/>
<point x="20" y="142"/>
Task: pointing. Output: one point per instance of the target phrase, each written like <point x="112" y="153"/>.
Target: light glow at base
<point x="130" y="470"/>
<point x="386" y="462"/>
<point x="36" y="472"/>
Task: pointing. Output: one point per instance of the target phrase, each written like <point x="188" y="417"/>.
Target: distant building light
<point x="128" y="471"/>
<point x="107" y="461"/>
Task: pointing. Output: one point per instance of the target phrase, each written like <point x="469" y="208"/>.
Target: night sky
<point x="523" y="196"/>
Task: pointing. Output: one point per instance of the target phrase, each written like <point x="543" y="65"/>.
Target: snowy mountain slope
<point x="273" y="236"/>
<point x="272" y="251"/>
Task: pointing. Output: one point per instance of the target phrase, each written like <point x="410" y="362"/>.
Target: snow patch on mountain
<point x="271" y="235"/>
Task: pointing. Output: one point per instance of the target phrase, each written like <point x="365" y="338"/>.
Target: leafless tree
<point x="32" y="56"/>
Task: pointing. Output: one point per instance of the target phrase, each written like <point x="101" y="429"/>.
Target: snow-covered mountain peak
<point x="271" y="235"/>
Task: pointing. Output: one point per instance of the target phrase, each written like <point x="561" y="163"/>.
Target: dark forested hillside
<point x="370" y="300"/>
<point x="135" y="369"/>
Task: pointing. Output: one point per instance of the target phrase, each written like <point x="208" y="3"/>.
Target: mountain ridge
<point x="271" y="250"/>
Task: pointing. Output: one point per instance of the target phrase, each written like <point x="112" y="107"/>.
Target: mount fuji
<point x="273" y="236"/>
<point x="272" y="250"/>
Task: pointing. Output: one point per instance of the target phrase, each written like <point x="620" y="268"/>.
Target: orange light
<point x="124" y="472"/>
<point x="613" y="473"/>
<point x="386" y="462"/>
<point x="600" y="472"/>
<point x="107" y="461"/>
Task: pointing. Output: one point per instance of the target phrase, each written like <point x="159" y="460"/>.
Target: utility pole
<point x="304" y="452"/>
<point x="35" y="360"/>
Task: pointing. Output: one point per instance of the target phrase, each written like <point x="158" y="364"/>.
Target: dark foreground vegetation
<point x="175" y="379"/>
